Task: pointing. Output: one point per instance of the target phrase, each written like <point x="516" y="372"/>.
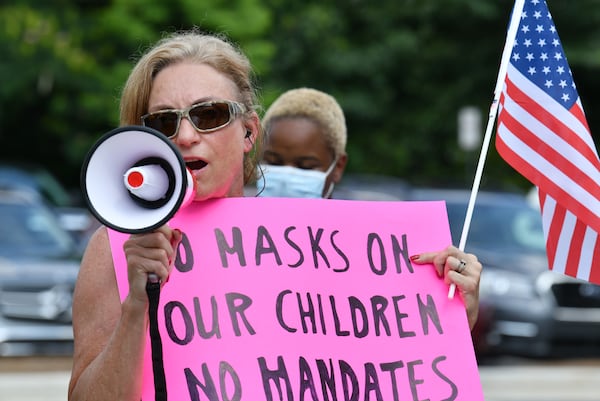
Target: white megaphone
<point x="134" y="180"/>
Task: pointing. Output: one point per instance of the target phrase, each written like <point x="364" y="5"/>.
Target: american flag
<point x="543" y="134"/>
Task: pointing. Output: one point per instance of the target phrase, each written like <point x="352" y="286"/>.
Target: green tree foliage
<point x="401" y="70"/>
<point x="64" y="63"/>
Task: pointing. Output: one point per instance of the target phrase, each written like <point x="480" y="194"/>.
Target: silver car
<point x="39" y="263"/>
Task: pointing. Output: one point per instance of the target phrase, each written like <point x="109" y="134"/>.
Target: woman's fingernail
<point x="415" y="257"/>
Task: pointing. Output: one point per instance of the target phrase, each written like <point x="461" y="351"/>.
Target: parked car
<point x="371" y="187"/>
<point x="39" y="263"/>
<point x="533" y="311"/>
<point x="368" y="187"/>
<point x="525" y="308"/>
<point x="67" y="205"/>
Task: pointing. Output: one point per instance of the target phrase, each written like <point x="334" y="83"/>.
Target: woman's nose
<point x="187" y="134"/>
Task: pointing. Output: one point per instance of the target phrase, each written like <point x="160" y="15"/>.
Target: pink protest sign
<point x="296" y="299"/>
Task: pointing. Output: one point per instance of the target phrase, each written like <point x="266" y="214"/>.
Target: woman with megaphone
<point x="197" y="90"/>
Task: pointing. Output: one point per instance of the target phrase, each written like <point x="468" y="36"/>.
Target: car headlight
<point x="496" y="283"/>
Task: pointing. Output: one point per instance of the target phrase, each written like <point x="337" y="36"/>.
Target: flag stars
<point x="537" y="54"/>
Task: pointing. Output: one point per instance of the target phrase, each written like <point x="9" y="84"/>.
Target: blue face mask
<point x="293" y="182"/>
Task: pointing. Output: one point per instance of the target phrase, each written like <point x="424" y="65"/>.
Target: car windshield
<point x="36" y="179"/>
<point x="507" y="227"/>
<point x="29" y="230"/>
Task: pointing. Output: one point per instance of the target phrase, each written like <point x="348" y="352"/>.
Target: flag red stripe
<point x="552" y="156"/>
<point x="542" y="197"/>
<point x="536" y="177"/>
<point x="577" y="111"/>
<point x="594" y="272"/>
<point x="550" y="121"/>
<point x="575" y="246"/>
<point x="554" y="235"/>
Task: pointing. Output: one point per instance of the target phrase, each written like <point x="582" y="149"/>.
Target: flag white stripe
<point x="548" y="214"/>
<point x="563" y="245"/>
<point x="585" y="263"/>
<point x="549" y="170"/>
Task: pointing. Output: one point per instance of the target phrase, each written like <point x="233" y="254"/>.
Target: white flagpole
<point x="508" y="46"/>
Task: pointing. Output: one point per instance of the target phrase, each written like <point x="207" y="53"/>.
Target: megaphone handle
<point x="160" y="385"/>
<point x="153" y="279"/>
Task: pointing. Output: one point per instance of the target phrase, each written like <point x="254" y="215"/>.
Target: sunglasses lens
<point x="164" y="122"/>
<point x="211" y="116"/>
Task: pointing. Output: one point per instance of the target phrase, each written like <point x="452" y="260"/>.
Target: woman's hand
<point x="150" y="253"/>
<point x="459" y="268"/>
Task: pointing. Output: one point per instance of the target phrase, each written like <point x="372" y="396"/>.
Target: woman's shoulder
<point x="97" y="258"/>
<point x="98" y="241"/>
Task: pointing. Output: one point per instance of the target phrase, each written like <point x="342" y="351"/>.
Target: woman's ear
<point x="252" y="131"/>
<point x="340" y="166"/>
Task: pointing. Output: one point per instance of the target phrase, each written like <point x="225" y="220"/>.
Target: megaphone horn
<point x="150" y="182"/>
<point x="134" y="179"/>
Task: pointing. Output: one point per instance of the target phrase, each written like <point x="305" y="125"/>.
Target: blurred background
<point x="415" y="79"/>
<point x="403" y="70"/>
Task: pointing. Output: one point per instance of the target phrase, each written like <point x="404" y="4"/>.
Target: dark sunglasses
<point x="204" y="117"/>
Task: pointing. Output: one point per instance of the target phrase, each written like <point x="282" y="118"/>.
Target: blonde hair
<point x="315" y="105"/>
<point x="213" y="50"/>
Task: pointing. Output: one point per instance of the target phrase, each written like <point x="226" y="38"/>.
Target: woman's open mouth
<point x="195" y="164"/>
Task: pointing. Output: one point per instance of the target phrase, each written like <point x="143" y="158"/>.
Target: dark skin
<point x="299" y="142"/>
